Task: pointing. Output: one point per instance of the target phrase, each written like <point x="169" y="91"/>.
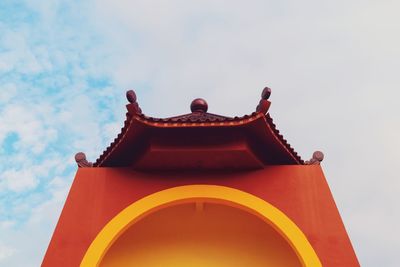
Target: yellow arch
<point x="234" y="197"/>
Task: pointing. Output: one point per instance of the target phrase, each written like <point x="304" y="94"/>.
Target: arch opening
<point x="200" y="225"/>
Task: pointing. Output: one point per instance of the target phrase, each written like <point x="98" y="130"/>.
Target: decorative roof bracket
<point x="81" y="160"/>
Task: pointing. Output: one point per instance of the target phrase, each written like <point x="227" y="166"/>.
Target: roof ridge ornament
<point x="133" y="106"/>
<point x="81" y="160"/>
<point x="199" y="105"/>
<point x="264" y="104"/>
<point x="317" y="158"/>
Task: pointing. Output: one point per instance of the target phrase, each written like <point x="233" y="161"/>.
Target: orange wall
<point x="300" y="191"/>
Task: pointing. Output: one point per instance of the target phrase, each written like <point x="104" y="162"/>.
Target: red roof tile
<point x="136" y="121"/>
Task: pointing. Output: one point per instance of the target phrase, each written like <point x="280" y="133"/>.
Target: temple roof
<point x="198" y="140"/>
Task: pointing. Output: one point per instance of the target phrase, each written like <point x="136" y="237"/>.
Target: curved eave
<point x="115" y="143"/>
<point x="290" y="150"/>
<point x="135" y="124"/>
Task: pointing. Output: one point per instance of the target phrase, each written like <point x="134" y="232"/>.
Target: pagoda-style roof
<point x="198" y="140"/>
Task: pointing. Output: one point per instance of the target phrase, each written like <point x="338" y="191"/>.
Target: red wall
<point x="300" y="191"/>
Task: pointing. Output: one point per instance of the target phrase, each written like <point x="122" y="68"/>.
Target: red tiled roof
<point x="136" y="120"/>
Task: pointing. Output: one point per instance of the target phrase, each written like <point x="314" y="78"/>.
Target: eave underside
<point x="203" y="142"/>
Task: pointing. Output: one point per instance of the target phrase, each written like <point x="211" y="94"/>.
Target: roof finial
<point x="264" y="104"/>
<point x="199" y="105"/>
<point x="316" y="159"/>
<point x="81" y="160"/>
<point x="133" y="106"/>
<point x="131" y="96"/>
<point x="266" y="93"/>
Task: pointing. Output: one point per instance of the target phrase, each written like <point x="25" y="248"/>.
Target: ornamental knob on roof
<point x="317" y="158"/>
<point x="264" y="104"/>
<point x="81" y="160"/>
<point x="133" y="105"/>
<point x="318" y="155"/>
<point x="199" y="105"/>
<point x="131" y="96"/>
<point x="266" y="93"/>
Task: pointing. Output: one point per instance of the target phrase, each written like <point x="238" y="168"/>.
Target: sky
<point x="65" y="66"/>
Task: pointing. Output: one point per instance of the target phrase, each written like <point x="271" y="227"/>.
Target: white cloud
<point x="28" y="122"/>
<point x="28" y="175"/>
<point x="49" y="210"/>
<point x="5" y="252"/>
<point x="7" y="224"/>
<point x="7" y="92"/>
<point x="17" y="180"/>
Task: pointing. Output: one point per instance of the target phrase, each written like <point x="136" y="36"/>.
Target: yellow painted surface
<point x="201" y="225"/>
<point x="214" y="235"/>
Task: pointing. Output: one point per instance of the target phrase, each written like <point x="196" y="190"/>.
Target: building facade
<point x="200" y="189"/>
